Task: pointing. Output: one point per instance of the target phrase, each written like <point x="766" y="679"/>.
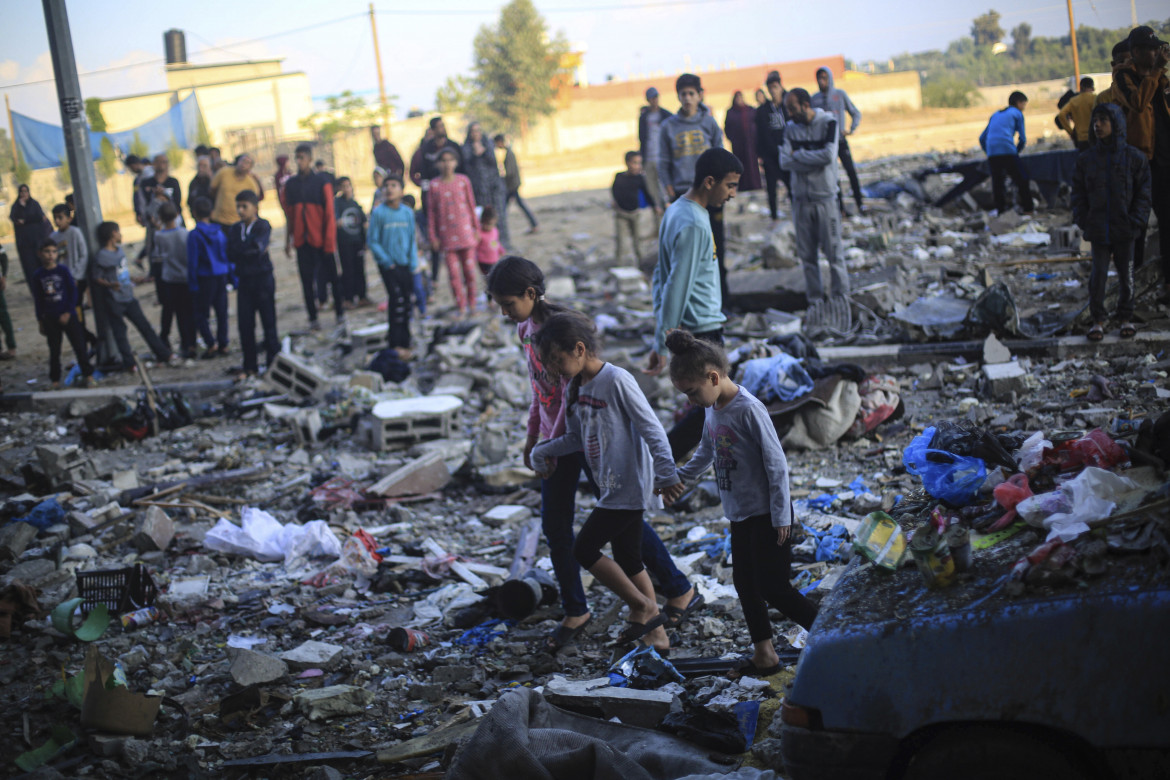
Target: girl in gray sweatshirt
<point x="752" y="474"/>
<point x="625" y="446"/>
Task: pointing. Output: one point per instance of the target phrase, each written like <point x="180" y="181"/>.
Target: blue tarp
<point x="42" y="145"/>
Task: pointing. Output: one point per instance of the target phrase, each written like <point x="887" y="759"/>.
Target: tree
<point x="138" y="147"/>
<point x="986" y="30"/>
<point x="1021" y="41"/>
<point x="342" y="112"/>
<point x="459" y="95"/>
<point x="64" y="175"/>
<point x="516" y="64"/>
<point x="107" y="164"/>
<point x="175" y="154"/>
<point x="93" y="115"/>
<point x="6" y="162"/>
<point x="21" y="171"/>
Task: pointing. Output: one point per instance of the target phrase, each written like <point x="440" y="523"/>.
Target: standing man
<point x="312" y="229"/>
<point x="510" y="171"/>
<point x="837" y="103"/>
<point x="686" y="284"/>
<point x="1003" y="152"/>
<point x="684" y="137"/>
<point x="227" y="184"/>
<point x="1119" y="60"/>
<point x="385" y="153"/>
<point x="650" y="121"/>
<point x="771" y="117"/>
<point x="1076" y="116"/>
<point x="809" y="153"/>
<point x="1140" y="90"/>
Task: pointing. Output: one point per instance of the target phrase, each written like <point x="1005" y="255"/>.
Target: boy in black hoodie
<point x="247" y="251"/>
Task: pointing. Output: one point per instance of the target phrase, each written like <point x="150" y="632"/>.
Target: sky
<point x="425" y="41"/>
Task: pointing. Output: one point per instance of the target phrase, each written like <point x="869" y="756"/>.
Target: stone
<point x="627" y="280"/>
<point x="125" y="480"/>
<point x="252" y="668"/>
<point x="424" y="475"/>
<point x="490" y="447"/>
<point x="34" y="572"/>
<point x="431" y="692"/>
<point x="107" y="745"/>
<point x="65" y="464"/>
<point x="313" y="655"/>
<point x="513" y="388"/>
<point x="1002" y="379"/>
<point x="332" y="701"/>
<point x="454" y="384"/>
<point x="80" y="552"/>
<point x="15" y="539"/>
<point x="81" y="523"/>
<point x="560" y="288"/>
<point x="994" y="351"/>
<point x="506" y="514"/>
<point x="154" y="532"/>
<point x="630" y="706"/>
<point x="454" y="673"/>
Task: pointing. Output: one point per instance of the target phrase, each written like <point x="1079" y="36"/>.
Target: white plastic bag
<point x="1066" y="511"/>
<point x="1031" y="452"/>
<point x="261" y="536"/>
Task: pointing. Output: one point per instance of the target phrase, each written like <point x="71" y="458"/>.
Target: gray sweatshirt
<point x="750" y="468"/>
<point x="613" y="424"/>
<point x="681" y="140"/>
<point x="72" y="251"/>
<point x="170" y="249"/>
<point x="810" y="153"/>
<point x="837" y="103"/>
<point x="112" y="267"/>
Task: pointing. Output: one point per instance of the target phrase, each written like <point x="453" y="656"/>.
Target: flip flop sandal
<point x="676" y="615"/>
<point x="1096" y="333"/>
<point x="1128" y="331"/>
<point x="563" y="635"/>
<point x="635" y="631"/>
<point x="749" y="669"/>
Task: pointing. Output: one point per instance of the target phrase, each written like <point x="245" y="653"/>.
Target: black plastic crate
<point x="121" y="590"/>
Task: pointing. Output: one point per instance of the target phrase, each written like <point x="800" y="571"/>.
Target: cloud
<point x="9" y="71"/>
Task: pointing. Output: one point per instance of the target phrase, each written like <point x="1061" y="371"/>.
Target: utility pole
<point x="1133" y="13"/>
<point x="1072" y="31"/>
<point x="381" y="79"/>
<point x="77" y="151"/>
<point x="11" y="130"/>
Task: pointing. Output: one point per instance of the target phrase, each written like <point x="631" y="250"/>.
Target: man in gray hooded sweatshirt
<point x="809" y="152"/>
<point x="837" y="103"/>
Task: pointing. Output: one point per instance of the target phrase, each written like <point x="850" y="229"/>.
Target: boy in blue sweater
<point x="111" y="275"/>
<point x="391" y="238"/>
<point x="207" y="277"/>
<point x="247" y="251"/>
<point x="55" y="300"/>
<point x="1003" y="152"/>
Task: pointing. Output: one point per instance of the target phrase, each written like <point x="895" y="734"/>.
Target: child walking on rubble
<point x="752" y="474"/>
<point x="517" y="286"/>
<point x="453" y="227"/>
<point x="608" y="418"/>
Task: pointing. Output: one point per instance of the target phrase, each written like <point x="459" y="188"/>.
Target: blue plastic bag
<point x="954" y="479"/>
<point x="44" y="514"/>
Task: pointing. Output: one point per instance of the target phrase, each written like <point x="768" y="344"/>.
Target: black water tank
<point x="175" y="44"/>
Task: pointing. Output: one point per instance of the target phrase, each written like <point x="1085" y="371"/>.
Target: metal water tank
<point x="175" y="44"/>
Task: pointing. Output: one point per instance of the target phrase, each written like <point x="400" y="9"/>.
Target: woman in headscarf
<point x="761" y="97"/>
<point x="479" y="157"/>
<point x="740" y="128"/>
<point x="32" y="227"/>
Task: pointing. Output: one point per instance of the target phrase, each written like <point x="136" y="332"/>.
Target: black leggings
<point x="622" y="528"/>
<point x="761" y="571"/>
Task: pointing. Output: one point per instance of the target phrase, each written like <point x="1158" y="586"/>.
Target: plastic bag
<point x="963" y="437"/>
<point x="1095" y="449"/>
<point x="1031" y="452"/>
<point x="707" y="728"/>
<point x="1067" y="511"/>
<point x="261" y="536"/>
<point x="44" y="514"/>
<point x="953" y="479"/>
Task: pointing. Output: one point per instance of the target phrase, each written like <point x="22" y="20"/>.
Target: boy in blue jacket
<point x="247" y="251"/>
<point x="55" y="299"/>
<point x="1003" y="153"/>
<point x="207" y="278"/>
<point x="391" y="239"/>
<point x="1111" y="203"/>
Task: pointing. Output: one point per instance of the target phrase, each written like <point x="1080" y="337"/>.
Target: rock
<point x="560" y="288"/>
<point x="505" y="514"/>
<point x="125" y="480"/>
<point x="107" y="745"/>
<point x="80" y="552"/>
<point x="81" y="523"/>
<point x="15" y="539"/>
<point x="449" y="674"/>
<point x="1003" y="379"/>
<point x="65" y="464"/>
<point x="491" y="447"/>
<point x="252" y="668"/>
<point x="425" y="475"/>
<point x="513" y="388"/>
<point x="333" y="700"/>
<point x="155" y="531"/>
<point x="637" y="708"/>
<point x="34" y="572"/>
<point x="454" y="384"/>
<point x="136" y="752"/>
<point x="431" y="692"/>
<point x="994" y="351"/>
<point x="313" y="654"/>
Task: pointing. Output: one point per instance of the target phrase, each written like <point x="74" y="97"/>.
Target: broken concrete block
<point x="1002" y="379"/>
<point x="454" y="384"/>
<point x="512" y="388"/>
<point x="560" y="288"/>
<point x="425" y="475"/>
<point x="125" y="480"/>
<point x="36" y="572"/>
<point x="154" y="532"/>
<point x="15" y="539"/>
<point x="368" y="379"/>
<point x="252" y="668"/>
<point x="333" y="700"/>
<point x="627" y="280"/>
<point x="65" y="464"/>
<point x="506" y="514"/>
<point x="994" y="351"/>
<point x="313" y="655"/>
<point x="294" y="377"/>
<point x="490" y="447"/>
<point x="81" y="523"/>
<point x="450" y="674"/>
<point x="431" y="692"/>
<point x="637" y="708"/>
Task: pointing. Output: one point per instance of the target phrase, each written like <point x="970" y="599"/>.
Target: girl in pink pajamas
<point x="453" y="227"/>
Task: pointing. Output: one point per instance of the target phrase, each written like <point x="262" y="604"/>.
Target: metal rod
<point x="381" y="79"/>
<point x="1072" y="31"/>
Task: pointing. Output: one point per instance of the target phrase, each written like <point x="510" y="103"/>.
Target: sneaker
<point x="174" y="361"/>
<point x="315" y="325"/>
<point x="87" y="382"/>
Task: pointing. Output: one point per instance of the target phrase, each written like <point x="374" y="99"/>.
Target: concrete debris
<point x="313" y="655"/>
<point x="634" y="707"/>
<point x="154" y="532"/>
<point x="253" y="668"/>
<point x="333" y="701"/>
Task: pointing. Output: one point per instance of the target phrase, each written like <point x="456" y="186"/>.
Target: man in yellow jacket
<point x="1076" y="116"/>
<point x="1119" y="60"/>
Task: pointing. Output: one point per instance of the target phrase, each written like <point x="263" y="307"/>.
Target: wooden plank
<point x="427" y="744"/>
<point x="460" y="570"/>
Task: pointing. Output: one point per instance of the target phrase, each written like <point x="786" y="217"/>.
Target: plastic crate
<point x="121" y="590"/>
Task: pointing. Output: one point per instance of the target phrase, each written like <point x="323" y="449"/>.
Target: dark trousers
<point x="212" y="294"/>
<point x="558" y="495"/>
<point x="317" y="269"/>
<point x="256" y="295"/>
<point x="1002" y="166"/>
<point x="177" y="303"/>
<point x="399" y="283"/>
<point x="846" y="158"/>
<point x="762" y="573"/>
<point x="1121" y="253"/>
<point x="130" y="310"/>
<point x="6" y="322"/>
<point x="687" y="432"/>
<point x="72" y="331"/>
<point x="621" y="528"/>
<point x="773" y="174"/>
<point x="1160" y="205"/>
<point x="716" y="215"/>
<point x="515" y="196"/>
<point x="353" y="270"/>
